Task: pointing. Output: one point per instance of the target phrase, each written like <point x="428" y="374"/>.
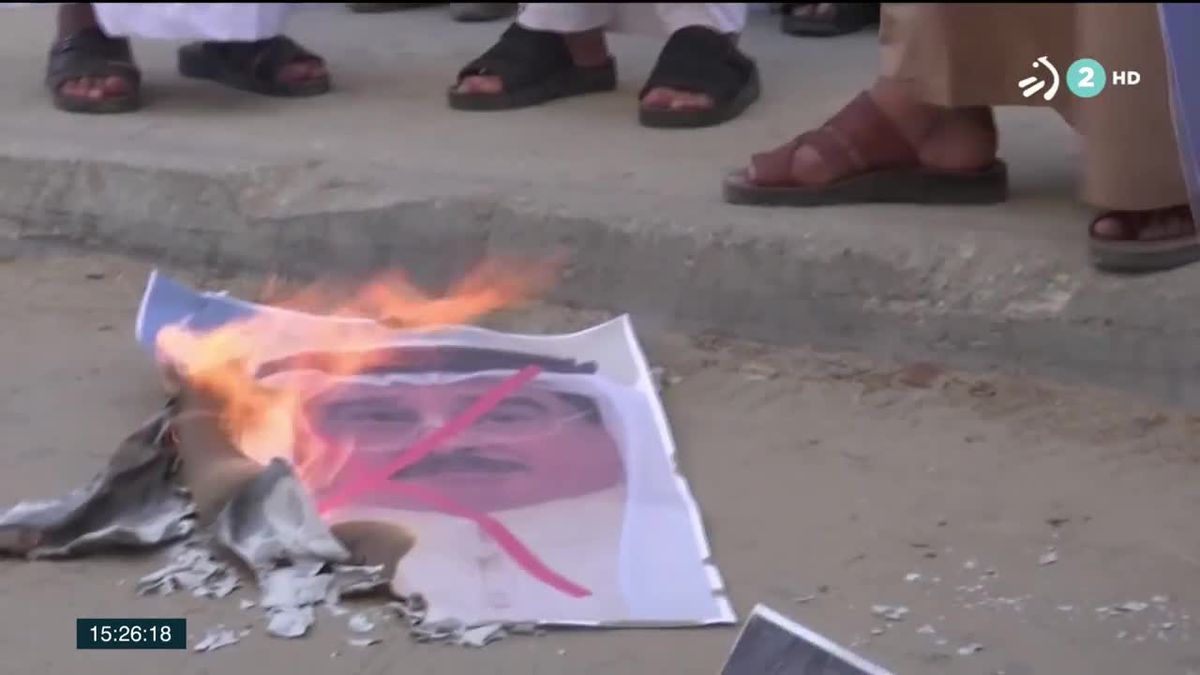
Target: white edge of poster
<point x="725" y="610"/>
<point x="139" y="323"/>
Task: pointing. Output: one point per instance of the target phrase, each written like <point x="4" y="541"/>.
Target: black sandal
<point x="1132" y="254"/>
<point x="91" y="53"/>
<point x="251" y="66"/>
<point x="841" y="19"/>
<point x="479" y="12"/>
<point x="535" y="67"/>
<point x="702" y="60"/>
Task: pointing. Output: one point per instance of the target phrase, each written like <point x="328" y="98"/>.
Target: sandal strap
<point x="90" y="53"/>
<point x="263" y="59"/>
<point x="280" y="51"/>
<point x="858" y="138"/>
<point x="522" y="57"/>
<point x="701" y="60"/>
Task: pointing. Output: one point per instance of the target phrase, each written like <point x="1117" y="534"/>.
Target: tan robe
<point x="974" y="54"/>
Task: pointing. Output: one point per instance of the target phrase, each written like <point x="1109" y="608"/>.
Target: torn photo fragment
<point x="504" y="478"/>
<point x="772" y="643"/>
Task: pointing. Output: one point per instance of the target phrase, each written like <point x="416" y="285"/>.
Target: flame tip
<point x="263" y="422"/>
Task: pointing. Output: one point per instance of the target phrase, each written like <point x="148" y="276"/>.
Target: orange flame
<point x="263" y="421"/>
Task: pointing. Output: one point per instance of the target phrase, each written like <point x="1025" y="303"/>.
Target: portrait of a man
<point x="522" y="507"/>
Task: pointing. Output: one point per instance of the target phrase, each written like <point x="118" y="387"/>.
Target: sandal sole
<point x="195" y="66"/>
<point x="578" y="82"/>
<point x="1131" y="257"/>
<point x="694" y="119"/>
<point x="893" y="186"/>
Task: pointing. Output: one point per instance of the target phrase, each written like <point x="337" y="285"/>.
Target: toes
<point x="664" y="98"/>
<point x="76" y="88"/>
<point x="801" y="166"/>
<point x="1169" y="226"/>
<point x="91" y="88"/>
<point x="115" y="86"/>
<point x="293" y="72"/>
<point x="809" y="167"/>
<point x="686" y="100"/>
<point x="1110" y="227"/>
<point x="97" y="88"/>
<point x="657" y="98"/>
<point x="820" y="10"/>
<point x="480" y="84"/>
<point x="307" y="70"/>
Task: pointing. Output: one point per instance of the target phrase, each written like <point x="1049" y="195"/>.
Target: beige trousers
<point x="975" y="54"/>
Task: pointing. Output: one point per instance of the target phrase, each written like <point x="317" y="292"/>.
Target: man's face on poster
<point x="537" y="445"/>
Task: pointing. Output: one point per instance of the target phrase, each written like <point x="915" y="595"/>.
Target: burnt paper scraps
<point x="133" y="502"/>
<point x="272" y="526"/>
<point x="192" y="568"/>
<point x="274" y="521"/>
<point x="272" y="529"/>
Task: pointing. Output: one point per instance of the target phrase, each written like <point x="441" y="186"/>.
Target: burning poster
<point x="520" y="478"/>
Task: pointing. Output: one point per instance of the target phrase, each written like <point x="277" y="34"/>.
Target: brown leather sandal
<point x="1140" y="249"/>
<point x="878" y="163"/>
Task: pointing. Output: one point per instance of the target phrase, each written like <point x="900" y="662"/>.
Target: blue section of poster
<point x="168" y="302"/>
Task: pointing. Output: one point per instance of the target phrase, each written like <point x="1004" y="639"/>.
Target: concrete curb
<point x="968" y="298"/>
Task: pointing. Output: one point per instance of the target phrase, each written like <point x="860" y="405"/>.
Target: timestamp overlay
<point x="131" y="633"/>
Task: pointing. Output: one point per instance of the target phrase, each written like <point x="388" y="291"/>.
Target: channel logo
<point x="1085" y="78"/>
<point x="1034" y="83"/>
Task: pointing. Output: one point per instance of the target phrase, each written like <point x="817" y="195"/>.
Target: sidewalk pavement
<point x="382" y="173"/>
